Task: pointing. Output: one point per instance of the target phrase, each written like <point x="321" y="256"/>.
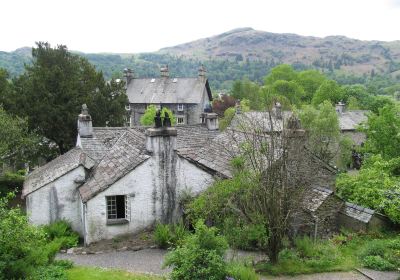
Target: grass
<point x="89" y="273"/>
<point x="344" y="252"/>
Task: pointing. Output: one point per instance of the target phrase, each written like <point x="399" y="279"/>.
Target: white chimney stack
<point x="85" y="127"/>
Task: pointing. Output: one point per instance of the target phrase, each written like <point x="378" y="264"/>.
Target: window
<point x="128" y="107"/>
<point x="117" y="209"/>
<point x="180" y="107"/>
<point x="180" y="120"/>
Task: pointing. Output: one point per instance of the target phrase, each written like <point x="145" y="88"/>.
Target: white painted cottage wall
<point x="143" y="189"/>
<point x="57" y="200"/>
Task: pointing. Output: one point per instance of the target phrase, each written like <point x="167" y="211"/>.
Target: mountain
<point x="335" y="52"/>
<point x="250" y="53"/>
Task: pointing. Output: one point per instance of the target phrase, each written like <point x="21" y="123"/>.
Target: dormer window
<point x="180" y="107"/>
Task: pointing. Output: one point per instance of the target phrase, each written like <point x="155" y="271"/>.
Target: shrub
<point x="23" y="247"/>
<point x="162" y="235"/>
<point x="374" y="248"/>
<point x="200" y="256"/>
<point x="61" y="233"/>
<point x="11" y="181"/>
<point x="378" y="263"/>
<point x="239" y="271"/>
<point x="245" y="236"/>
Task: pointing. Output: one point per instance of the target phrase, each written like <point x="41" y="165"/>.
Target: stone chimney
<point x="129" y="75"/>
<point x="202" y="73"/>
<point x="164" y="71"/>
<point x="340" y="107"/>
<point x="212" y="121"/>
<point x="278" y="110"/>
<point x="85" y="127"/>
<point x="161" y="144"/>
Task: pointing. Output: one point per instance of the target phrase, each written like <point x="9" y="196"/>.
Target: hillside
<point x="246" y="52"/>
<point x="335" y="52"/>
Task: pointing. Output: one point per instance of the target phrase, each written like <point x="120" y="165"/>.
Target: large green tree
<point x="330" y="91"/>
<point x="52" y="90"/>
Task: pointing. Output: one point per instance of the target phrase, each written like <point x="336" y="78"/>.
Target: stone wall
<point x="57" y="200"/>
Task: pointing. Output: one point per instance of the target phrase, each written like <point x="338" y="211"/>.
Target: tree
<point x="222" y="104"/>
<point x="283" y="72"/>
<point x="17" y="144"/>
<point x="310" y="81"/>
<point x="289" y="89"/>
<point x="330" y="91"/>
<point x="272" y="176"/>
<point x="150" y="113"/>
<point x="52" y="90"/>
<point x="383" y="132"/>
<point x="247" y="90"/>
<point x="322" y="125"/>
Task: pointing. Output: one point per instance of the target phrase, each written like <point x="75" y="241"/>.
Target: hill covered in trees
<point x="248" y="53"/>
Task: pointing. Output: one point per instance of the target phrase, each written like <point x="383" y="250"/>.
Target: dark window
<point x="116" y="207"/>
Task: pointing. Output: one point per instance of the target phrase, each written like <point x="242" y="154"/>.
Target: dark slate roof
<point x="124" y="156"/>
<point x="349" y="120"/>
<point x="357" y="212"/>
<point x="316" y="197"/>
<point x="55" y="169"/>
<point x="167" y="90"/>
<point x="103" y="139"/>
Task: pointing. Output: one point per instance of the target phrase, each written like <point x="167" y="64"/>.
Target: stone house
<point x="121" y="180"/>
<point x="187" y="98"/>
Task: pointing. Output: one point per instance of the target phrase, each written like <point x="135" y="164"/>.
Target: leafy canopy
<point x="150" y="113"/>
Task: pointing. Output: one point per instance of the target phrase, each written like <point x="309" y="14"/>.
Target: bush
<point x="240" y="271"/>
<point x="61" y="233"/>
<point x="245" y="236"/>
<point x="200" y="256"/>
<point x="23" y="247"/>
<point x="162" y="235"/>
<point x="11" y="181"/>
<point x="378" y="263"/>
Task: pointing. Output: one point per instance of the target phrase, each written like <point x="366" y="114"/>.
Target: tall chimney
<point x="164" y="71"/>
<point x="340" y="107"/>
<point x="129" y="75"/>
<point x="161" y="144"/>
<point x="202" y="73"/>
<point x="278" y="110"/>
<point x="85" y="127"/>
<point x="212" y="121"/>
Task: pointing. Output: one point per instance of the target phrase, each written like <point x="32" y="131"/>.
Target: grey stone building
<point x="187" y="98"/>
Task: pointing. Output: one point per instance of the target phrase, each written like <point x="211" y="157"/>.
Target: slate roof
<point x="315" y="197"/>
<point x="167" y="90"/>
<point x="55" y="169"/>
<point x="124" y="156"/>
<point x="357" y="212"/>
<point x="349" y="120"/>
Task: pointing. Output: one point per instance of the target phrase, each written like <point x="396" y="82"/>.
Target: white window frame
<point x="111" y="210"/>
<point x="180" y="107"/>
<point x="178" y="120"/>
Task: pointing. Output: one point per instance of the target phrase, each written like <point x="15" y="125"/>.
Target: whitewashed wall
<point x="57" y="200"/>
<point x="142" y="186"/>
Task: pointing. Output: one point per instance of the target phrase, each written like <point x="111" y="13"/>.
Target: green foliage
<point x="52" y="90"/>
<point x="245" y="236"/>
<point x="169" y="235"/>
<point x="23" y="247"/>
<point x="376" y="186"/>
<point x="247" y="90"/>
<point x="201" y="256"/>
<point x="98" y="273"/>
<point x="11" y="181"/>
<point x="239" y="271"/>
<point x="162" y="235"/>
<point x="150" y="113"/>
<point x="323" y="128"/>
<point x="330" y="91"/>
<point x="310" y="81"/>
<point x="283" y="72"/>
<point x="16" y="142"/>
<point x="289" y="89"/>
<point x="383" y="132"/>
<point x="62" y="234"/>
<point x="50" y="272"/>
<point x="346" y="145"/>
<point x="377" y="263"/>
<point x="225" y="122"/>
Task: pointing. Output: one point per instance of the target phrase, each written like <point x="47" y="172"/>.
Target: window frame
<point x="112" y="210"/>
<point x="180" y="118"/>
<point x="180" y="108"/>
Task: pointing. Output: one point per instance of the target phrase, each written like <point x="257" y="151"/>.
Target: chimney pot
<point x="202" y="73"/>
<point x="340" y="107"/>
<point x="164" y="71"/>
<point x="85" y="127"/>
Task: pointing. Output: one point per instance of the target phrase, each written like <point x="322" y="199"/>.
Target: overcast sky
<point x="148" y="25"/>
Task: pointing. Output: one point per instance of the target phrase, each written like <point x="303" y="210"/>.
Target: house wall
<point x="191" y="112"/>
<point x="351" y="223"/>
<point x="356" y="136"/>
<point x="149" y="200"/>
<point x="327" y="215"/>
<point x="57" y="200"/>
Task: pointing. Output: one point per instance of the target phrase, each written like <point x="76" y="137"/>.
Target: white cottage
<point x="120" y="180"/>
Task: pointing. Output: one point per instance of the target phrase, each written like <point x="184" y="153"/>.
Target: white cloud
<point x="147" y="25"/>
